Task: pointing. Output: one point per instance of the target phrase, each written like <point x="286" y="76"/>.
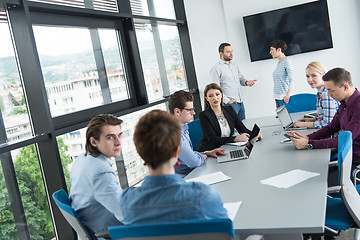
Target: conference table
<point x="277" y="213"/>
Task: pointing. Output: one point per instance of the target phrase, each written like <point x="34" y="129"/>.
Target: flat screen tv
<point x="304" y="28"/>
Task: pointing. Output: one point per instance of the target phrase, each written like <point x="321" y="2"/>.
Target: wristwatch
<point x="309" y="146"/>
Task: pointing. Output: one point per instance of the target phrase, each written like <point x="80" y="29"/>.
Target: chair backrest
<point x="349" y="193"/>
<point x="195" y="133"/>
<point x="302" y="102"/>
<point x="209" y="229"/>
<point x="344" y="145"/>
<point x="62" y="201"/>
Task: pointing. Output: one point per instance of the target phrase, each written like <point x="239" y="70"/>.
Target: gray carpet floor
<point x="347" y="235"/>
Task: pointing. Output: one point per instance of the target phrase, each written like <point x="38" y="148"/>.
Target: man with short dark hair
<point x="226" y="73"/>
<point x="339" y="85"/>
<point x="95" y="188"/>
<point x="181" y="105"/>
<point x="163" y="196"/>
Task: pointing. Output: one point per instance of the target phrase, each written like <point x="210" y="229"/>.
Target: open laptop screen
<point x="284" y="116"/>
<point x="253" y="137"/>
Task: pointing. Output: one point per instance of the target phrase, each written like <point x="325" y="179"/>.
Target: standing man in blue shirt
<point x="226" y="73"/>
<point x="95" y="188"/>
<point x="181" y="105"/>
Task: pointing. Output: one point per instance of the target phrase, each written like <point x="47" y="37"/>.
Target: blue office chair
<point x="195" y="133"/>
<point x="343" y="212"/>
<point x="210" y="229"/>
<point x="301" y="102"/>
<point x="62" y="201"/>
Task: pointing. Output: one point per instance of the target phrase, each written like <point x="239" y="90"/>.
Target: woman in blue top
<point x="164" y="196"/>
<point x="326" y="107"/>
<point x="283" y="74"/>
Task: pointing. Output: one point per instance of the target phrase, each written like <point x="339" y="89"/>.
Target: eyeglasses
<point x="190" y="110"/>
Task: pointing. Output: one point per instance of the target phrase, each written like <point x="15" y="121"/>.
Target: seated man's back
<point x="169" y="198"/>
<point x="163" y="196"/>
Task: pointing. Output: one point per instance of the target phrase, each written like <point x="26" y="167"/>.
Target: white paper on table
<point x="211" y="178"/>
<point x="237" y="143"/>
<point x="232" y="208"/>
<point x="289" y="179"/>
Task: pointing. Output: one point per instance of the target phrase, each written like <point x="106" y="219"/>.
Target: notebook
<point x="241" y="152"/>
<point x="285" y="119"/>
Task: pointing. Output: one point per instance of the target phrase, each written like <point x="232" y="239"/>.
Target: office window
<point x="70" y="146"/>
<point x="161" y="59"/>
<point x="71" y="64"/>
<point x="114" y="64"/>
<point x="174" y="63"/>
<point x="102" y="5"/>
<point x="32" y="193"/>
<point x="135" y="169"/>
<point x="149" y="62"/>
<point x="153" y="8"/>
<point x="83" y="66"/>
<point x="13" y="106"/>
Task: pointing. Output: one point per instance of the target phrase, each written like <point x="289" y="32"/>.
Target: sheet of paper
<point x="236" y="143"/>
<point x="232" y="208"/>
<point x="289" y="179"/>
<point x="211" y="178"/>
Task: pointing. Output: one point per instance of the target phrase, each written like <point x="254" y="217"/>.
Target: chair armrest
<point x="255" y="237"/>
<point x="334" y="189"/>
<point x="333" y="163"/>
<point x="355" y="173"/>
<point x="103" y="234"/>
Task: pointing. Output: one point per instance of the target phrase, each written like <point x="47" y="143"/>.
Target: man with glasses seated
<point x="181" y="105"/>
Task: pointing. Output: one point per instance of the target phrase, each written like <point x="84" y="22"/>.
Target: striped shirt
<point x="283" y="78"/>
<point x="326" y="108"/>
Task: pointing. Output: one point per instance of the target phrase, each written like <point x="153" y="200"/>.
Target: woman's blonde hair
<point x="317" y="66"/>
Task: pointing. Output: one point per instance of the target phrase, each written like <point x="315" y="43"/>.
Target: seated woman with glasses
<point x="164" y="196"/>
<point x="218" y="121"/>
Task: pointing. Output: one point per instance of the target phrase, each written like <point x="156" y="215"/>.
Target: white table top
<point x="266" y="209"/>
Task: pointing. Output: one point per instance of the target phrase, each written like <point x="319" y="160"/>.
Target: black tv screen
<point x="304" y="28"/>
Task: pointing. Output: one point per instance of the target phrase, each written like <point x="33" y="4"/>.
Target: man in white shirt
<point x="226" y="73"/>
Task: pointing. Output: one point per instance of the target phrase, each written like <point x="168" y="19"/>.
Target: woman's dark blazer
<point x="211" y="129"/>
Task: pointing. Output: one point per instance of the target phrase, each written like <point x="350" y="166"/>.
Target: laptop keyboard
<point x="236" y="154"/>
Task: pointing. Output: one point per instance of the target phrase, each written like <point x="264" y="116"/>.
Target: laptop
<point x="285" y="119"/>
<point x="242" y="152"/>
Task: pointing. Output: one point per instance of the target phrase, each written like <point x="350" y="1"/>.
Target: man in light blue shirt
<point x="226" y="73"/>
<point x="181" y="105"/>
<point x="165" y="197"/>
<point x="95" y="189"/>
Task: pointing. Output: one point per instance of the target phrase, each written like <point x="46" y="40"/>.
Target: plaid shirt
<point x="326" y="108"/>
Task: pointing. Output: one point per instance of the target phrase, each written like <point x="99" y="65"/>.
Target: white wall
<point x="214" y="21"/>
<point x="206" y="23"/>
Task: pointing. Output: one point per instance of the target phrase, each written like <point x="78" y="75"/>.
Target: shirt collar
<point x="185" y="127"/>
<point x="223" y="62"/>
<point x="352" y="99"/>
<point x="321" y="90"/>
<point x="162" y="180"/>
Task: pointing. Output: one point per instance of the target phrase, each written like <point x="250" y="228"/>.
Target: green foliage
<point x="20" y="110"/>
<point x="33" y="195"/>
<point x="7" y="223"/>
<point x="2" y="106"/>
<point x="13" y="100"/>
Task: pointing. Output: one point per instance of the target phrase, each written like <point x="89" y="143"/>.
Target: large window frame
<point x="22" y="14"/>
